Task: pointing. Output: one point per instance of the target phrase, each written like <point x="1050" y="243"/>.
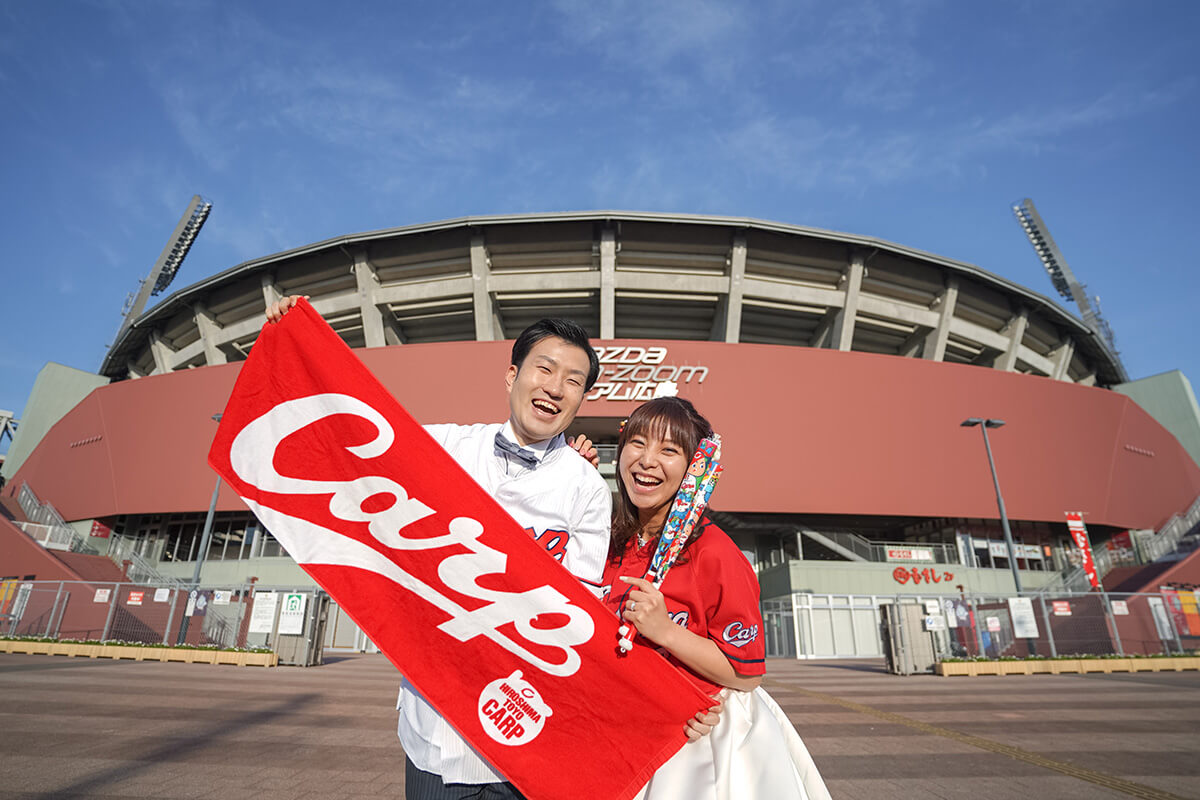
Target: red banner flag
<point x="1079" y="534"/>
<point x="503" y="641"/>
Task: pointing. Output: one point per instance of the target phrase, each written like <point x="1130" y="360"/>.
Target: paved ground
<point x="74" y="728"/>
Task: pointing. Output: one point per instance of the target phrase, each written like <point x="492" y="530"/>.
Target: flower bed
<point x="141" y="652"/>
<point x="1072" y="664"/>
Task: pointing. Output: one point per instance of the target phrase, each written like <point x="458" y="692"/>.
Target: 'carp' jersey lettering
<point x="555" y="542"/>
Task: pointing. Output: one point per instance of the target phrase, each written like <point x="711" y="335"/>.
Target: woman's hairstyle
<point x="660" y="418"/>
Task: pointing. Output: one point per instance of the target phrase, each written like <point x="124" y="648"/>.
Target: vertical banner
<point x="517" y="655"/>
<point x="1080" y="536"/>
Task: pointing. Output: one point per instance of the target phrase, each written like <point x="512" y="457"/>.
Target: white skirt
<point x="754" y="753"/>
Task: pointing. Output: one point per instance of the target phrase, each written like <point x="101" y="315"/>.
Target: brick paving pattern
<point x="78" y="728"/>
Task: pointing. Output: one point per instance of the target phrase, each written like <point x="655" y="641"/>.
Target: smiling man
<point x="547" y="487"/>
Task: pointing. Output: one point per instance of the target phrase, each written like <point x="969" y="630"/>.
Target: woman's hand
<point x="702" y="724"/>
<point x="646" y="608"/>
<point x="583" y="445"/>
<point x="276" y="310"/>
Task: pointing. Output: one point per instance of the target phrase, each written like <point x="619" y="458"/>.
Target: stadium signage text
<point x="632" y="373"/>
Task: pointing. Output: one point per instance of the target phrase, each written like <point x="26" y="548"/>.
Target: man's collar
<point x="539" y="449"/>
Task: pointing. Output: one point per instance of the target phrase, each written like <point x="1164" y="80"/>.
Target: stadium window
<point x="270" y="546"/>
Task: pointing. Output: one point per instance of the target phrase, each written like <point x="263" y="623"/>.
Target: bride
<point x="704" y="618"/>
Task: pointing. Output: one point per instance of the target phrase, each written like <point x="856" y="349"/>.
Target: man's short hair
<point x="565" y="329"/>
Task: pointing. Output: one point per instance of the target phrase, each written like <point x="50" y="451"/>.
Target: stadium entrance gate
<point x="804" y="625"/>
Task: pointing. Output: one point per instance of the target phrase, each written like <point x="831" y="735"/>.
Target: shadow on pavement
<point x="199" y="738"/>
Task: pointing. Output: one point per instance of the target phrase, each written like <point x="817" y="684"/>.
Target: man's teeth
<point x="544" y="406"/>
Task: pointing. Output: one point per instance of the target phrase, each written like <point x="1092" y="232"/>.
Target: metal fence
<point x="242" y="616"/>
<point x="805" y="625"/>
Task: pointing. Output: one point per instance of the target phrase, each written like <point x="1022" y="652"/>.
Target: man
<point x="559" y="497"/>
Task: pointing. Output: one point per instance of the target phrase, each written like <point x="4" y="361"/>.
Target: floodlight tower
<point x="1060" y="274"/>
<point x="169" y="261"/>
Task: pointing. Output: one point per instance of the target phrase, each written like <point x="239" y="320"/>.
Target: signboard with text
<point x="909" y="554"/>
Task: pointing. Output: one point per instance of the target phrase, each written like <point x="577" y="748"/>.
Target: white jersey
<point x="566" y="506"/>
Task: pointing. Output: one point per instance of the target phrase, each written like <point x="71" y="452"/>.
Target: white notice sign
<point x="262" y="616"/>
<point x="1024" y="622"/>
<point x="1120" y="608"/>
<point x="162" y="595"/>
<point x="221" y="597"/>
<point x="291" y="615"/>
<point x="101" y="595"/>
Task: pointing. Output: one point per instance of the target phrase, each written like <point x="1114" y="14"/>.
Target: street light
<point x="205" y="539"/>
<point x="984" y="424"/>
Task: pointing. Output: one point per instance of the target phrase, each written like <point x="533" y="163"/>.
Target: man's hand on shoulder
<point x="583" y="445"/>
<point x="276" y="310"/>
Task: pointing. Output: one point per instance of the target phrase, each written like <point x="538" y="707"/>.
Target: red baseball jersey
<point x="714" y="594"/>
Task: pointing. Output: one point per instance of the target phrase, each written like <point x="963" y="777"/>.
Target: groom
<point x="559" y="497"/>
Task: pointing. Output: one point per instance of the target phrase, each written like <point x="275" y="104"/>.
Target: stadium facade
<point x="837" y="367"/>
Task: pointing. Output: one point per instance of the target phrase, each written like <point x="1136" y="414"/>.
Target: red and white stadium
<point x="838" y="369"/>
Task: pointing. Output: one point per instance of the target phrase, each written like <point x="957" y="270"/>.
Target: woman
<point x="705" y="620"/>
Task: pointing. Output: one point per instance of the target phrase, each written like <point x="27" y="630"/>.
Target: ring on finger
<point x="632" y="605"/>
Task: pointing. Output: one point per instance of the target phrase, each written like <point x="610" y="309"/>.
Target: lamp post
<point x="984" y="424"/>
<point x="205" y="539"/>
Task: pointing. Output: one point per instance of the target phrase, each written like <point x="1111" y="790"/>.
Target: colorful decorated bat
<point x="686" y="510"/>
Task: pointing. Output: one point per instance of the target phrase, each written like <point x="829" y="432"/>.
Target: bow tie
<point x="524" y="457"/>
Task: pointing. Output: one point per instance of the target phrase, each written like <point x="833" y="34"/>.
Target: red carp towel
<point x="502" y="640"/>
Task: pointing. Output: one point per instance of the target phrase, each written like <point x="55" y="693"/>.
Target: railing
<point x="140" y="570"/>
<point x="607" y="453"/>
<point x="43" y="515"/>
<point x="1166" y="540"/>
<point x="51" y="537"/>
<point x="878" y="551"/>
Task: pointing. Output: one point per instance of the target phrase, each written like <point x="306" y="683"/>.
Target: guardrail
<point x="44" y="515"/>
<point x="1166" y="540"/>
<point x="140" y="570"/>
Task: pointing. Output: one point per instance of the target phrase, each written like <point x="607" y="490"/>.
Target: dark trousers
<point x="422" y="785"/>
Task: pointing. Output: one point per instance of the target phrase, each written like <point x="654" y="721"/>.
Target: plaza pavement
<point x="79" y="728"/>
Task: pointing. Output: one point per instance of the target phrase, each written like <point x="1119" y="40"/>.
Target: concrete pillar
<point x="162" y="353"/>
<point x="820" y="336"/>
<point x="132" y="371"/>
<point x="209" y="334"/>
<point x="914" y="343"/>
<point x="270" y="291"/>
<point x="608" y="283"/>
<point x="480" y="266"/>
<point x="935" y="342"/>
<point x="842" y="332"/>
<point x="733" y="297"/>
<point x="1007" y="360"/>
<point x="1061" y="357"/>
<point x="368" y="285"/>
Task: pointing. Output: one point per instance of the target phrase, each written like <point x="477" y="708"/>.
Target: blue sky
<point x="916" y="122"/>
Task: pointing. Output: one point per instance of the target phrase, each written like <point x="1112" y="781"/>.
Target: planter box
<point x="74" y="649"/>
<point x="1070" y="665"/>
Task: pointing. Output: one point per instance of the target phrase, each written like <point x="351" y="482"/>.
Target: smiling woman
<point x="703" y="615"/>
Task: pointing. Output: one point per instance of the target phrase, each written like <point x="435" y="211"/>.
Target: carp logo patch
<point x="739" y="635"/>
<point x="511" y="711"/>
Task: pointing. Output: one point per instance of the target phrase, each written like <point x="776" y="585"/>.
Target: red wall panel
<point x="806" y="431"/>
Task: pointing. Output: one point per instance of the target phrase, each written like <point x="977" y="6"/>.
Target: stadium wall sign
<point x="632" y="373"/>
